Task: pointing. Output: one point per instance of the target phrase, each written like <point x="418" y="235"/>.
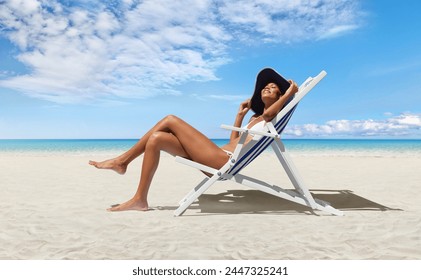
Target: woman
<point x="178" y="138"/>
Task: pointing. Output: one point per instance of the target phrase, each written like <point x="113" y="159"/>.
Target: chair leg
<point x="292" y="173"/>
<point x="290" y="195"/>
<point x="195" y="193"/>
<point x="298" y="182"/>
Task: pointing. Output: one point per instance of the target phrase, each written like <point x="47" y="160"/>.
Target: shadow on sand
<point x="257" y="202"/>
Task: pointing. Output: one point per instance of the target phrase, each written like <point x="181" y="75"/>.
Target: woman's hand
<point x="293" y="88"/>
<point x="242" y="111"/>
<point x="244" y="107"/>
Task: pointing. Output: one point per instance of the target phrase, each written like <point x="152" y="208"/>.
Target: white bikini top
<point x="260" y="126"/>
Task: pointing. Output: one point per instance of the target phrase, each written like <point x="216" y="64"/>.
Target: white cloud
<point x="338" y="30"/>
<point x="91" y="50"/>
<point x="406" y="124"/>
<point x="290" y="21"/>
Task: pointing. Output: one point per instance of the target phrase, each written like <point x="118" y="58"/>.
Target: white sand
<point x="53" y="207"/>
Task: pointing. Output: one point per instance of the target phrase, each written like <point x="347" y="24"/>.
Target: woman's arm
<point x="242" y="111"/>
<point x="274" y="109"/>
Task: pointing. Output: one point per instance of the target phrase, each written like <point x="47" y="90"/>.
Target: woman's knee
<point x="171" y="120"/>
<point x="154" y="140"/>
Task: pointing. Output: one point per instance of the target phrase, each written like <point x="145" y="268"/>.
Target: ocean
<point x="307" y="147"/>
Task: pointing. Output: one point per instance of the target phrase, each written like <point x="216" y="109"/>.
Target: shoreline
<point x="301" y="147"/>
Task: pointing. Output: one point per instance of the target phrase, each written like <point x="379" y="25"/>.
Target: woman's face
<point x="270" y="93"/>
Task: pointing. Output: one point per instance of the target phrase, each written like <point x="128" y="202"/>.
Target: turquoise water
<point x="298" y="146"/>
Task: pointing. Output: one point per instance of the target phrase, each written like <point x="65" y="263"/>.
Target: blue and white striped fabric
<point x="260" y="145"/>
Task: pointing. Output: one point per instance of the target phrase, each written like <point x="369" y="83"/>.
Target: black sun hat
<point x="266" y="76"/>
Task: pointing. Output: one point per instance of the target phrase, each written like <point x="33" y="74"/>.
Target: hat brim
<point x="266" y="76"/>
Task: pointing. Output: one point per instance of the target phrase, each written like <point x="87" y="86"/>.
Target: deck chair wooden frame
<point x="244" y="154"/>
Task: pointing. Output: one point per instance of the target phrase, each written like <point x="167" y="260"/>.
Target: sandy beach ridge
<point x="54" y="208"/>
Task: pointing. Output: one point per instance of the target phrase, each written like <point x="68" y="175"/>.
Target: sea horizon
<point x="307" y="147"/>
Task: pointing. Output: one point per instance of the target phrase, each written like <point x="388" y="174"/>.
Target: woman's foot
<point x="132" y="204"/>
<point x="112" y="164"/>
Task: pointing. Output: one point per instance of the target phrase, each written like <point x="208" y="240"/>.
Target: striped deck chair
<point x="244" y="154"/>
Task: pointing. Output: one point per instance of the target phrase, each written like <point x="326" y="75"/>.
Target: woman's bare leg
<point x="198" y="147"/>
<point x="181" y="139"/>
<point x="189" y="137"/>
<point x="157" y="141"/>
<point x="120" y="163"/>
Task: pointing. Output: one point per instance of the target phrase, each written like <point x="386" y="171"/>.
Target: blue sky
<point x="84" y="69"/>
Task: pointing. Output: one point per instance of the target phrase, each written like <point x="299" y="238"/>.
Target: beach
<point x="54" y="207"/>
